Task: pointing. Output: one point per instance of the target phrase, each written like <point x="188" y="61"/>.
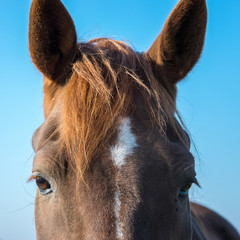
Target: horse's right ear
<point x="52" y="38"/>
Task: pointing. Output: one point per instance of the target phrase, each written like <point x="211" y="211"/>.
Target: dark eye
<point x="184" y="191"/>
<point x="43" y="185"/>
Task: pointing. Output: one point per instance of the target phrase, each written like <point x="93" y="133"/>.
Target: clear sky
<point x="208" y="99"/>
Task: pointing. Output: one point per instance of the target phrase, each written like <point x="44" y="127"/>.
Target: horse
<point x="112" y="158"/>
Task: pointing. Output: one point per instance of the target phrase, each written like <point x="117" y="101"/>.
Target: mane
<point x="100" y="92"/>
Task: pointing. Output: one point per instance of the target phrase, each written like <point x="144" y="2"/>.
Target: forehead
<point x="133" y="137"/>
<point x="165" y="146"/>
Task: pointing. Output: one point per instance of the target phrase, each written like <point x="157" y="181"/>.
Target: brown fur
<point x="89" y="88"/>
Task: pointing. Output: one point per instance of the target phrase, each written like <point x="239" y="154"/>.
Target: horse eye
<point x="184" y="191"/>
<point x="43" y="185"/>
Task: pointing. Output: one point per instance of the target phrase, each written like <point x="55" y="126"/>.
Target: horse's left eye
<point x="184" y="191"/>
<point x="43" y="185"/>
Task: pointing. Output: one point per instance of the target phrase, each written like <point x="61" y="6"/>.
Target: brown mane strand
<point x="100" y="91"/>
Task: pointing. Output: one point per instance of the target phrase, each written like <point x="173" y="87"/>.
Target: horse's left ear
<point x="178" y="47"/>
<point x="52" y="38"/>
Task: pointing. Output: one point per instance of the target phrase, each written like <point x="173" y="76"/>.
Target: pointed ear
<point x="52" y="38"/>
<point x="178" y="47"/>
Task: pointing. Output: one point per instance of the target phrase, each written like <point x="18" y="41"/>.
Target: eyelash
<point x="43" y="185"/>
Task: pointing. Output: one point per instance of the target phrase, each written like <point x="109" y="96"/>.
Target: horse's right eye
<point x="43" y="185"/>
<point x="184" y="191"/>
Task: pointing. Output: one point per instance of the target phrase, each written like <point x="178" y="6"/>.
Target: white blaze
<point x="124" y="148"/>
<point x="125" y="144"/>
<point x="117" y="208"/>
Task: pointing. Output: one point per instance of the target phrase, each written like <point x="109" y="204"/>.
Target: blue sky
<point x="208" y="99"/>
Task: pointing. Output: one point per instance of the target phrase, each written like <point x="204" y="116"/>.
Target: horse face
<point x="136" y="189"/>
<point x="135" y="184"/>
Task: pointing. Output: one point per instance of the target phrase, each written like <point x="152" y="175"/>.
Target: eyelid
<point x="34" y="176"/>
<point x="192" y="180"/>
